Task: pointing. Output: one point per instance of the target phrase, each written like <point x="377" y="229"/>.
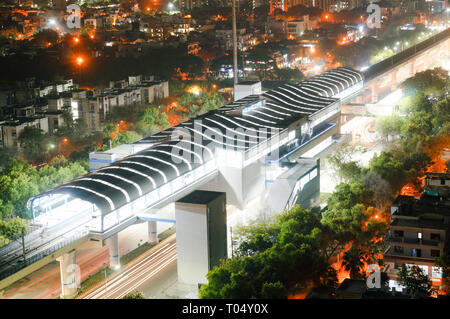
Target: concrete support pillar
<point x="413" y="67"/>
<point x="394" y="79"/>
<point x="113" y="244"/>
<point x="373" y="89"/>
<point x="152" y="232"/>
<point x="69" y="274"/>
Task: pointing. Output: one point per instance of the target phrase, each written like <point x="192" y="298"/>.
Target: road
<point x="139" y="273"/>
<point x="45" y="282"/>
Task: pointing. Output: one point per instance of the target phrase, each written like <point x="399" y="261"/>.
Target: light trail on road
<point x="52" y="277"/>
<point x="137" y="274"/>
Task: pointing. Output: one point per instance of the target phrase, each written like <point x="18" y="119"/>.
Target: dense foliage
<point x="275" y="260"/>
<point x="20" y="180"/>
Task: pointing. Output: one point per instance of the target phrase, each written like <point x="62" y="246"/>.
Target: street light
<point x="79" y="61"/>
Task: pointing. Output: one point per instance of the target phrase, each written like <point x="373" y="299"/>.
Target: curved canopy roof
<point x="239" y="125"/>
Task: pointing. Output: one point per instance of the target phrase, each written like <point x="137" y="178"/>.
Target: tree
<point x="444" y="263"/>
<point x="18" y="182"/>
<point x="389" y="168"/>
<point x="149" y="116"/>
<point x="294" y="75"/>
<point x="35" y="144"/>
<point x="191" y="64"/>
<point x="329" y="281"/>
<point x="127" y="137"/>
<point x="416" y="130"/>
<point x="441" y="112"/>
<point x="341" y="163"/>
<point x="428" y="80"/>
<point x="109" y="130"/>
<point x="273" y="290"/>
<point x="354" y="263"/>
<point x="5" y="155"/>
<point x="256" y="239"/>
<point x="134" y="295"/>
<point x="12" y="229"/>
<point x="384" y="195"/>
<point x="276" y="263"/>
<point x="416" y="283"/>
<point x="348" y="218"/>
<point x="46" y="36"/>
<point x="389" y="125"/>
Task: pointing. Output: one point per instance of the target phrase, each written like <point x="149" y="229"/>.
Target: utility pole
<point x="235" y="72"/>
<point x="23" y="246"/>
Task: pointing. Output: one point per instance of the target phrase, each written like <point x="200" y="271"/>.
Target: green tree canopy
<point x="417" y="284"/>
<point x="35" y="144"/>
<point x="278" y="260"/>
<point x="134" y="295"/>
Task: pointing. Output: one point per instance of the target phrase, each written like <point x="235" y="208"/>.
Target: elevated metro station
<point x="262" y="144"/>
<point x="276" y="123"/>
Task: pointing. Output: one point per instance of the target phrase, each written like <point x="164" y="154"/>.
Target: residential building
<point x="11" y="129"/>
<point x="297" y="28"/>
<point x="419" y="230"/>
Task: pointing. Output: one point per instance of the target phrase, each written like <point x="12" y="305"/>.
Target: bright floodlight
<point x="52" y="22"/>
<point x="170" y="6"/>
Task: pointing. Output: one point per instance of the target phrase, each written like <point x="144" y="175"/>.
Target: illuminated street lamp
<point x="170" y="5"/>
<point x="195" y="89"/>
<point x="80" y="61"/>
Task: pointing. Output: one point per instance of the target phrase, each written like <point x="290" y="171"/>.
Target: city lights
<point x="79" y="60"/>
<point x="194" y="89"/>
<point x="145" y="134"/>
